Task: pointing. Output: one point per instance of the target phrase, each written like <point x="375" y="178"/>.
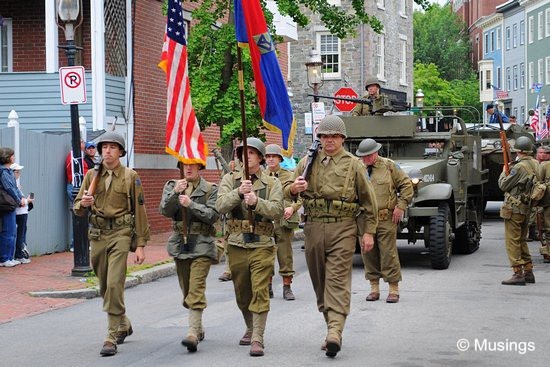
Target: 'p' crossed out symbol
<point x="72" y="80"/>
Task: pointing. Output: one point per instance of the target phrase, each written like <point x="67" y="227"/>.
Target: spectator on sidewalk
<point x="71" y="181"/>
<point x="21" y="215"/>
<point x="89" y="155"/>
<point x="7" y="234"/>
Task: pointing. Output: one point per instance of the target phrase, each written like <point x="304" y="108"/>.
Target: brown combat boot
<point x="257" y="346"/>
<point x="528" y="273"/>
<point x="247" y="337"/>
<point x="287" y="291"/>
<point x="517" y="279"/>
<point x="109" y="349"/>
<point x="195" y="328"/>
<point x="374" y="294"/>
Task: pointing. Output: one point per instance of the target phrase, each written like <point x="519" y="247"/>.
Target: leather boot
<point x="195" y="325"/>
<point x="258" y="321"/>
<point x="393" y="297"/>
<point x="528" y="273"/>
<point x="124" y="330"/>
<point x="517" y="279"/>
<point x="247" y="337"/>
<point x="336" y="322"/>
<point x="374" y="294"/>
<point x="287" y="291"/>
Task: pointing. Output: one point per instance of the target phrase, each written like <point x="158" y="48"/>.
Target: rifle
<point x="505" y="146"/>
<point x="312" y="153"/>
<point x="219" y="158"/>
<point x="98" y="167"/>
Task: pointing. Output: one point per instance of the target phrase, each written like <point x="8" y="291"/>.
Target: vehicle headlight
<point x="484" y="143"/>
<point x="497" y="144"/>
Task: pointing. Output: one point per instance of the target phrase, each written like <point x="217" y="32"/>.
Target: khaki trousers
<point x="251" y="269"/>
<point x="109" y="259"/>
<point x="192" y="275"/>
<point x="283" y="239"/>
<point x="515" y="235"/>
<point x="383" y="260"/>
<point x="329" y="256"/>
<point x="546" y="225"/>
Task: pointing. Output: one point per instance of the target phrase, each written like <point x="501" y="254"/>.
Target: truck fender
<point x="438" y="191"/>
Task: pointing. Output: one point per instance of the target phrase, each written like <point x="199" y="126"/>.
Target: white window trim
<point x="9" y="28"/>
<point x="492" y="40"/>
<point x="540" y="66"/>
<point x="381" y="4"/>
<point x="531" y="74"/>
<point x="547" y="62"/>
<point x="508" y="40"/>
<point x="403" y="61"/>
<point x="498" y="77"/>
<point x="515" y="35"/>
<point x="381" y="72"/>
<point x="403" y="9"/>
<point x="499" y="38"/>
<point x="522" y="75"/>
<point x="547" y="24"/>
<point x="515" y="76"/>
<point x="531" y="30"/>
<point x="521" y="32"/>
<point x="331" y="76"/>
<point x="540" y="26"/>
<point x="508" y="80"/>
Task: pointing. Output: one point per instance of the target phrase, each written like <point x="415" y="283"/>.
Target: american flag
<point x="184" y="139"/>
<point x="535" y="119"/>
<point x="543" y="131"/>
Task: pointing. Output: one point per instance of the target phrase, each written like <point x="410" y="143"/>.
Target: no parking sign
<point x="73" y="85"/>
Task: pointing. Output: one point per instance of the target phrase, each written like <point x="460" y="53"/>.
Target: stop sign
<point x="345" y="106"/>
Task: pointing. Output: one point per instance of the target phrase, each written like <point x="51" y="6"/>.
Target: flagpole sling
<point x="183" y="214"/>
<point x="243" y="129"/>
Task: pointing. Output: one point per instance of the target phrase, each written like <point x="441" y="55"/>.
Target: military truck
<point x="445" y="166"/>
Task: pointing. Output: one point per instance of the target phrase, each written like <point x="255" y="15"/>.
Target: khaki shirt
<point x="113" y="203"/>
<point x="516" y="186"/>
<point x="328" y="181"/>
<point x="544" y="175"/>
<point x="363" y="109"/>
<point x="391" y="184"/>
<point x="269" y="208"/>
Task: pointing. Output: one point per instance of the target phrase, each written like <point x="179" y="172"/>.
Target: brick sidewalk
<point x="53" y="272"/>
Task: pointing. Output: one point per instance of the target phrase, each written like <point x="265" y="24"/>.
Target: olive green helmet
<point x="367" y="146"/>
<point x="370" y="81"/>
<point x="254" y="143"/>
<point x="275" y="150"/>
<point x="523" y="144"/>
<point x="112" y="137"/>
<point x="331" y="125"/>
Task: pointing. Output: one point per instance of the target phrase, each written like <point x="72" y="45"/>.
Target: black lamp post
<point x="68" y="12"/>
<point x="314" y="67"/>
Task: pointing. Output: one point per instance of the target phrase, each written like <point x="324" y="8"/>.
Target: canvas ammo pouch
<point x="383" y="214"/>
<point x="243" y="226"/>
<point x="195" y="228"/>
<point x="538" y="191"/>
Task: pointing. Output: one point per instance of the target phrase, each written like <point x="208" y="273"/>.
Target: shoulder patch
<point x="513" y="171"/>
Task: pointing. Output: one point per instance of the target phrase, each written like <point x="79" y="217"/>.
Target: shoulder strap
<point x="351" y="173"/>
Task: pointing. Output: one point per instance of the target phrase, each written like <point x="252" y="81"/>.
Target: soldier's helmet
<point x="331" y="125"/>
<point x="275" y="150"/>
<point x="112" y="137"/>
<point x="523" y="144"/>
<point x="370" y="81"/>
<point x="254" y="143"/>
<point x="367" y="146"/>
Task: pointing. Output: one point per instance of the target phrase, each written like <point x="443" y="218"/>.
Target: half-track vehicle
<point x="446" y="168"/>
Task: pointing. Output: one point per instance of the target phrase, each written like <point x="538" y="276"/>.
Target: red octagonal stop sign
<point x="345" y="106"/>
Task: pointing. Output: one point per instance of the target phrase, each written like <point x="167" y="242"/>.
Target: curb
<point x="139" y="277"/>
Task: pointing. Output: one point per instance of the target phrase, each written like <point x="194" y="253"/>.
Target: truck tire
<point x="440" y="238"/>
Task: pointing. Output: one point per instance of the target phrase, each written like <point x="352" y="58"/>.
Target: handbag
<point x="7" y="202"/>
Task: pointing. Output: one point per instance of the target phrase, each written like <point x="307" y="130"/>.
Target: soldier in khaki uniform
<point x="117" y="221"/>
<point x="516" y="209"/>
<point x="192" y="199"/>
<point x="284" y="229"/>
<point x="544" y="174"/>
<point x="394" y="192"/>
<point x="338" y="199"/>
<point x="363" y="109"/>
<point x="251" y="247"/>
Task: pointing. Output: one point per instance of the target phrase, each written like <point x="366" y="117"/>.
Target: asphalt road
<point x="464" y="306"/>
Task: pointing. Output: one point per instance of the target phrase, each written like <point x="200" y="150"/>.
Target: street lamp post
<point x="419" y="99"/>
<point x="314" y="67"/>
<point x="543" y="105"/>
<point x="68" y="12"/>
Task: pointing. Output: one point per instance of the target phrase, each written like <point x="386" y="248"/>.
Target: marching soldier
<point x="193" y="247"/>
<point x="544" y="175"/>
<point x="337" y="198"/>
<point x="372" y="86"/>
<point x="251" y="207"/>
<point x="118" y="222"/>
<point x="516" y="209"/>
<point x="284" y="229"/>
<point x="394" y="192"/>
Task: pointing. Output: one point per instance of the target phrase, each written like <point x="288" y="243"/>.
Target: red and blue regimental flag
<point x="184" y="139"/>
<point x="251" y="30"/>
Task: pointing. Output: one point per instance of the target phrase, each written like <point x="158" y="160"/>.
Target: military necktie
<point x="326" y="160"/>
<point x="369" y="170"/>
<point x="108" y="179"/>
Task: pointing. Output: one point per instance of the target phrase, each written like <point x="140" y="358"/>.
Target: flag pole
<point x="243" y="130"/>
<point x="184" y="228"/>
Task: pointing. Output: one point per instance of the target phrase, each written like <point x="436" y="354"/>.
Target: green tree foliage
<point x="213" y="61"/>
<point x="441" y="38"/>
